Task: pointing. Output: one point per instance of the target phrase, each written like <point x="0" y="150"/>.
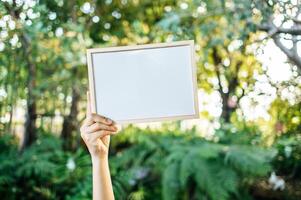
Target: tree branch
<point x="275" y="30"/>
<point x="241" y="96"/>
<point x="217" y="61"/>
<point x="289" y="53"/>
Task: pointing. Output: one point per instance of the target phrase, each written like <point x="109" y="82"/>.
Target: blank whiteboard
<point x="144" y="83"/>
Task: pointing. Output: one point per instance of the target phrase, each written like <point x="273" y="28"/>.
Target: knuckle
<point x="102" y="133"/>
<point x="100" y="126"/>
<point x="101" y="118"/>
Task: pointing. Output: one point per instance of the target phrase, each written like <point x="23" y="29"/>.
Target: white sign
<point x="144" y="83"/>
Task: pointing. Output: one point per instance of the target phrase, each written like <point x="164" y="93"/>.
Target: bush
<point x="288" y="160"/>
<point x="41" y="171"/>
<point x="167" y="164"/>
<point x="187" y="166"/>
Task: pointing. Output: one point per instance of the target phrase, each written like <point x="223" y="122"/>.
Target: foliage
<point x="43" y="73"/>
<point x="58" y="33"/>
<point x="190" y="167"/>
<point x="286" y="116"/>
<point x="41" y="170"/>
<point x="169" y="163"/>
<point x="288" y="160"/>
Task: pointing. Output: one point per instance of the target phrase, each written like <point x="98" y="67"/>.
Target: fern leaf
<point x="170" y="182"/>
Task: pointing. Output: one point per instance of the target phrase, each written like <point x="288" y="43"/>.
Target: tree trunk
<point x="31" y="114"/>
<point x="30" y="134"/>
<point x="70" y="124"/>
<point x="227" y="109"/>
<point x="229" y="106"/>
<point x="30" y="123"/>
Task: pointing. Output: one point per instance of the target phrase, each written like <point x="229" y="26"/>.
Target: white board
<point x="144" y="83"/>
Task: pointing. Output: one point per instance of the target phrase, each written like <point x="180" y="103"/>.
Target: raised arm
<point x="96" y="131"/>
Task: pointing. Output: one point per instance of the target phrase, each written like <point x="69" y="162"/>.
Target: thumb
<point x="88" y="111"/>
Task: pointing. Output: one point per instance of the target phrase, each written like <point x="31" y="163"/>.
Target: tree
<point x="31" y="114"/>
<point x="69" y="27"/>
<point x="222" y="37"/>
<point x="281" y="21"/>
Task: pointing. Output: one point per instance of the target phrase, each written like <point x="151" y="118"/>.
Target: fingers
<point x="92" y="138"/>
<point x="92" y="118"/>
<point x="99" y="135"/>
<point x="95" y="117"/>
<point x="99" y="127"/>
<point x="102" y="119"/>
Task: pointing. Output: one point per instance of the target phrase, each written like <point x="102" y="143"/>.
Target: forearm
<point x="102" y="184"/>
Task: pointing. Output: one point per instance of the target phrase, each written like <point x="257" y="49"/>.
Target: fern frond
<point x="249" y="160"/>
<point x="208" y="182"/>
<point x="171" y="182"/>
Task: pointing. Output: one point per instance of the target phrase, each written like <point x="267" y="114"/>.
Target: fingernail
<point x="109" y="120"/>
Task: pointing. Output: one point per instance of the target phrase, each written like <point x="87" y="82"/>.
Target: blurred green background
<point x="246" y="144"/>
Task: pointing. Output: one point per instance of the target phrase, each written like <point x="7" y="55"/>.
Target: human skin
<point x="96" y="131"/>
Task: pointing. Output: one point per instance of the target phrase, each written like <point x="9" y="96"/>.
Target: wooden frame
<point x="91" y="77"/>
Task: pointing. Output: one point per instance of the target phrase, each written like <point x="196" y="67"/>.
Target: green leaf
<point x="170" y="182"/>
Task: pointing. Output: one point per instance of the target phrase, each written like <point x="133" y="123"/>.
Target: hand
<point x="96" y="131"/>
